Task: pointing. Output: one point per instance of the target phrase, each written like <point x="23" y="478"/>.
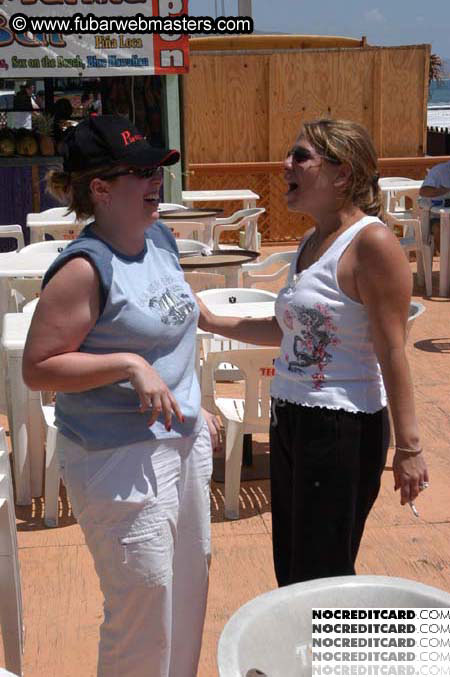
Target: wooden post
<point x="35" y="189"/>
<point x="172" y="175"/>
<point x="377" y="129"/>
<point x="426" y="87"/>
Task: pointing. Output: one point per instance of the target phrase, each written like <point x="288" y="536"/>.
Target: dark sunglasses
<point x="138" y="172"/>
<point x="300" y="154"/>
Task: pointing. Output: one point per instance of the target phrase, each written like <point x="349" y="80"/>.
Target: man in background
<point x="436" y="190"/>
<point x="23" y="106"/>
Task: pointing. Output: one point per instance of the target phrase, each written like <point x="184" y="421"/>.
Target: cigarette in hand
<point x="413" y="509"/>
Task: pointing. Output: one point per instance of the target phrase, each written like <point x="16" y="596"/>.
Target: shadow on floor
<point x="435" y="345"/>
<point x="254" y="499"/>
<point x="31" y="517"/>
<point x="254" y="495"/>
<point x="419" y="290"/>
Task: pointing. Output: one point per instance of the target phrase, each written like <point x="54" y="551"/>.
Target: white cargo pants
<point x="144" y="510"/>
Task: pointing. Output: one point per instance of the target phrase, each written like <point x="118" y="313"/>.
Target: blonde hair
<point x="73" y="189"/>
<point x="343" y="141"/>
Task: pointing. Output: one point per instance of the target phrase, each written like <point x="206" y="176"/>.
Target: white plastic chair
<point x="56" y="213"/>
<point x="30" y="307"/>
<point x="11" y="615"/>
<point x="21" y="291"/>
<point x="410" y="220"/>
<point x="15" y="232"/>
<point x="272" y="634"/>
<point x="244" y="218"/>
<point x="56" y="246"/>
<point x="191" y="230"/>
<point x="186" y="247"/>
<point x="242" y="416"/>
<point x="444" y="247"/>
<point x="61" y="225"/>
<point x="170" y="206"/>
<point x="219" y="344"/>
<point x="52" y="469"/>
<point x="250" y="271"/>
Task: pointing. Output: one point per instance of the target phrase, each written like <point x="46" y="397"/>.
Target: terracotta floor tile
<point x="419" y="552"/>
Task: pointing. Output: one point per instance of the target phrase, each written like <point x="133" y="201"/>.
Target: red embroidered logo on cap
<point x="128" y="137"/>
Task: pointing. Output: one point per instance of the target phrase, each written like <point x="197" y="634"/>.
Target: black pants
<point x="325" y="469"/>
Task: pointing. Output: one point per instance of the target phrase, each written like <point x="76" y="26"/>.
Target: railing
<point x="438" y="140"/>
<point x="267" y="180"/>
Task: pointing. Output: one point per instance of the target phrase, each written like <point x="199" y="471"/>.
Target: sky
<point x="384" y="22"/>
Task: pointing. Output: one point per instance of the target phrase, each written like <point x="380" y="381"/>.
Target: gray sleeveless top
<point x="146" y="308"/>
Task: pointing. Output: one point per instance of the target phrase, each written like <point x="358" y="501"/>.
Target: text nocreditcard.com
<point x="89" y="23"/>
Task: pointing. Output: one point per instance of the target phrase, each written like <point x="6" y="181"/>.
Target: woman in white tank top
<point x="341" y="324"/>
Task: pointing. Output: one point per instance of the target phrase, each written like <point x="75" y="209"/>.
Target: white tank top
<point x="327" y="357"/>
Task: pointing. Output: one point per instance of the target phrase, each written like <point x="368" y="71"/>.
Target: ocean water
<point x="440" y="93"/>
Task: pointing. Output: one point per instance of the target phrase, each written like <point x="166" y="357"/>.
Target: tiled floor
<point x="63" y="605"/>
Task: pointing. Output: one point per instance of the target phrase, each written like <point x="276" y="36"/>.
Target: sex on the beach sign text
<point x="91" y="38"/>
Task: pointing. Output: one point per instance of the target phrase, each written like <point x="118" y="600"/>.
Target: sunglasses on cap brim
<point x="138" y="172"/>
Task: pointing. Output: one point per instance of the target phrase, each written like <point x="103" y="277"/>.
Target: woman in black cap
<point x="114" y="335"/>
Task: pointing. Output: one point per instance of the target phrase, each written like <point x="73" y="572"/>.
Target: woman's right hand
<point x="153" y="393"/>
<point x="206" y="316"/>
<point x="410" y="475"/>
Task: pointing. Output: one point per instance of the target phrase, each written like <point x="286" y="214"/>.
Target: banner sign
<point x="92" y="38"/>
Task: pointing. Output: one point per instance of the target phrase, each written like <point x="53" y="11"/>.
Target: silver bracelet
<point x="411" y="452"/>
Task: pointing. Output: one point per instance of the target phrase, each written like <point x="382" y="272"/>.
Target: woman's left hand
<point x="214" y="429"/>
<point x="410" y="475"/>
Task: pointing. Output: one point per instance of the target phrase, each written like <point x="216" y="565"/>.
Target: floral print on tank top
<point x="316" y="332"/>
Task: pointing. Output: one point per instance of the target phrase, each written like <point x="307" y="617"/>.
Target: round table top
<point x="219" y="259"/>
<point x="185" y="214"/>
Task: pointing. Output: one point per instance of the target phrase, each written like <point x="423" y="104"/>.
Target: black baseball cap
<point x="111" y="140"/>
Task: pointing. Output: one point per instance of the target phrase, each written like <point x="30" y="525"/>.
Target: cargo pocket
<point x="146" y="554"/>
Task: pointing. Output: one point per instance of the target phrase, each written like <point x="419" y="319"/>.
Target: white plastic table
<point x="225" y="262"/>
<point x="26" y="264"/>
<point x="387" y="181"/>
<point x="203" y="218"/>
<point x="391" y="185"/>
<point x="26" y="429"/>
<point x="252" y="309"/>
<point x="248" y="197"/>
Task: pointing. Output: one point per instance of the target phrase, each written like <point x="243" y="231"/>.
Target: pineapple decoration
<point x="44" y="127"/>
<point x="26" y="143"/>
<point x="7" y="142"/>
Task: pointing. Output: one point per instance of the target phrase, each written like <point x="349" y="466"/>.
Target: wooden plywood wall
<point x="404" y="101"/>
<point x="226" y="109"/>
<point x="315" y="84"/>
<point x="249" y="107"/>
